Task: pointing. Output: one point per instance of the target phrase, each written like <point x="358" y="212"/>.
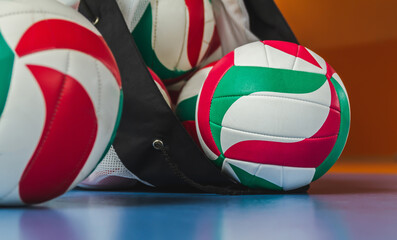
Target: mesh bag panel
<point x="110" y="174"/>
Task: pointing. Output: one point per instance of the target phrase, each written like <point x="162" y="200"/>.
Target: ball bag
<point x="59" y="103"/>
<point x="187" y="101"/>
<point x="111" y="174"/>
<point x="173" y="36"/>
<point x="273" y="115"/>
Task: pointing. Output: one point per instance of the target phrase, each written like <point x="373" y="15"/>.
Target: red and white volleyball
<point x="60" y="95"/>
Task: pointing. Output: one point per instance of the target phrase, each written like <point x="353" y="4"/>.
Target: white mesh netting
<point x="111" y="174"/>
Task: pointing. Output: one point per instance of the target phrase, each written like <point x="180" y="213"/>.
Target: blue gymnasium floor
<point x="338" y="206"/>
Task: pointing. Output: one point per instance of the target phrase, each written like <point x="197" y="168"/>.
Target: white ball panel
<point x="183" y="61"/>
<point x="12" y="33"/>
<point x="321" y="96"/>
<point x="258" y="54"/>
<point x="279" y="59"/>
<point x="12" y="198"/>
<point x="209" y="26"/>
<point x="294" y="177"/>
<point x="194" y="84"/>
<point x="22" y="14"/>
<point x="170" y="22"/>
<point x="271" y="173"/>
<point x="203" y="49"/>
<point x="304" y="66"/>
<point x="252" y="54"/>
<point x="339" y="80"/>
<point x="21" y="126"/>
<point x="273" y="118"/>
<point x="208" y="11"/>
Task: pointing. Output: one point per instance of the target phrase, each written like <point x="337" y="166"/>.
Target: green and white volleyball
<point x="60" y="100"/>
<point x="273" y="115"/>
<point x="173" y="36"/>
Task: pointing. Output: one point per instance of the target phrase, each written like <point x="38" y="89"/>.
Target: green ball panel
<point x="252" y="181"/>
<point x="241" y="81"/>
<point x="143" y="38"/>
<point x="6" y="66"/>
<point x="186" y="110"/>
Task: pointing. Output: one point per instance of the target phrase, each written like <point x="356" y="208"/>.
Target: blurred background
<point x="359" y="39"/>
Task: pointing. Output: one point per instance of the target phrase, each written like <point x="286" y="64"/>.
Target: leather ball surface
<point x="273" y="115"/>
<point x="60" y="95"/>
<point x="173" y="36"/>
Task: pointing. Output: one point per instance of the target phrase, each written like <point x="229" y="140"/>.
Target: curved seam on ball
<point x="35" y="11"/>
<point x="155" y="32"/>
<point x="272" y="96"/>
<point x="269" y="135"/>
<point x="296" y="58"/>
<point x="45" y="136"/>
<point x="99" y="87"/>
<point x="185" y="40"/>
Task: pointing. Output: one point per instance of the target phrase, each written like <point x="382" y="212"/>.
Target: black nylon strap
<point x="267" y="22"/>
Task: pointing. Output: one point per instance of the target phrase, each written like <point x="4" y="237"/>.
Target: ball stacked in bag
<point x="59" y="103"/>
<point x="272" y="115"/>
<point x="173" y="36"/>
<point x="187" y="101"/>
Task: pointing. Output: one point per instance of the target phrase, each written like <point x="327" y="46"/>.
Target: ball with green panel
<point x="273" y="115"/>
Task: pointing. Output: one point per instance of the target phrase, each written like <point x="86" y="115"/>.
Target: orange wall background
<point x="359" y="39"/>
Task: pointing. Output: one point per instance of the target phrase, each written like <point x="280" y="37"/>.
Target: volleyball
<point x="60" y="100"/>
<point x="273" y="115"/>
<point x="173" y="36"/>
